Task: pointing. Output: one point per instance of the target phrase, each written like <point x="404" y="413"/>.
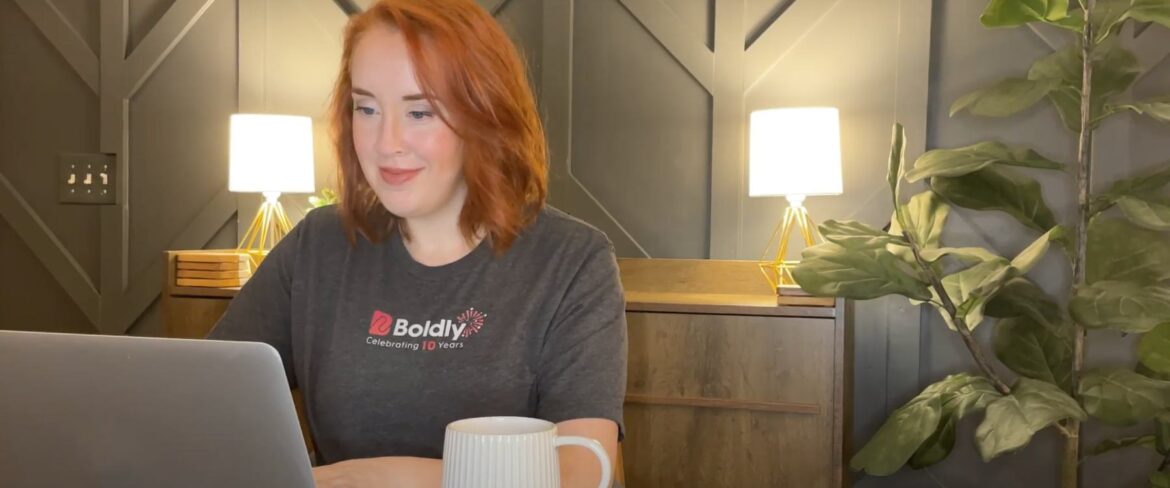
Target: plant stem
<point x="1070" y="469"/>
<point x="960" y="323"/>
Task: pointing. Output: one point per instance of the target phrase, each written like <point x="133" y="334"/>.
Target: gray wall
<point x="645" y="102"/>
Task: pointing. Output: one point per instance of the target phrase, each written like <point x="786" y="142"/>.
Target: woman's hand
<point x="397" y="472"/>
<point x="356" y="473"/>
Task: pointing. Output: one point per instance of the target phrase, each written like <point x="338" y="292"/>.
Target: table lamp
<point x="795" y="153"/>
<point x="270" y="154"/>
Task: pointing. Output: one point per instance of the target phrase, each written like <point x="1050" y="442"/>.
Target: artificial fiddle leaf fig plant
<point x="1118" y="249"/>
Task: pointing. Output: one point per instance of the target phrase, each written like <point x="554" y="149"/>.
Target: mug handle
<point x="592" y="445"/>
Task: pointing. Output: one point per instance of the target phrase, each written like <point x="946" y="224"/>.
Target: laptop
<point x="84" y="410"/>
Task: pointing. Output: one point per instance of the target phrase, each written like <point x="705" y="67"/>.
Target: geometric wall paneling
<point x="64" y="36"/>
<point x="638" y="112"/>
<point x="697" y="17"/>
<point x="176" y="131"/>
<point x="869" y="60"/>
<point x="38" y="302"/>
<point x="872" y="61"/>
<point x="120" y="292"/>
<point x="557" y="81"/>
<point x="63" y="238"/>
<point x="81" y="16"/>
<point x="521" y="20"/>
<point x="142" y="15"/>
<point x="759" y="15"/>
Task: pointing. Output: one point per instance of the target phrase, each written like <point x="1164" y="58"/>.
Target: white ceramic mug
<point x="509" y="452"/>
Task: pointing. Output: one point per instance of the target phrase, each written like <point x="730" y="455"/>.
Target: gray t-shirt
<point x="388" y="351"/>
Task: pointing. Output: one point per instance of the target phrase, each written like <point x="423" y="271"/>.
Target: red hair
<point x="464" y="59"/>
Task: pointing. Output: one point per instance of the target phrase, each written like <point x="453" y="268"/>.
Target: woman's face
<point x="412" y="160"/>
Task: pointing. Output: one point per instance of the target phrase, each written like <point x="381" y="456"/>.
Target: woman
<point x="441" y="287"/>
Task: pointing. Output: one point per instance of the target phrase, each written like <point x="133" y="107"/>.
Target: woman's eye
<point x="418" y="114"/>
<point x="364" y="110"/>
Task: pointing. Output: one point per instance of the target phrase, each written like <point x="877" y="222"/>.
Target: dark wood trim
<point x="781" y="407"/>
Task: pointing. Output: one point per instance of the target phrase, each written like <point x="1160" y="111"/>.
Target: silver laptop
<point x="114" y="411"/>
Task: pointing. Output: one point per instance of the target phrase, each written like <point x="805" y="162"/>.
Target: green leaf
<point x="998" y="188"/>
<point x="967" y="394"/>
<point x="1122" y="397"/>
<point x="1115" y="69"/>
<point x="964" y="160"/>
<point x="1120" y="251"/>
<point x="1146" y="441"/>
<point x="862" y="274"/>
<point x="1151" y="213"/>
<point x="1142" y="184"/>
<point x="1156" y="11"/>
<point x="1062" y="65"/>
<point x="1121" y="305"/>
<point x="1027" y="259"/>
<point x="1157" y="109"/>
<point x="936" y="447"/>
<point x="1107" y="16"/>
<point x="1020" y="297"/>
<point x="926" y="215"/>
<point x="1035" y="351"/>
<point x="971" y="288"/>
<point x="1154" y="349"/>
<point x="897" y="156"/>
<point x="1143" y="370"/>
<point x="1162" y="433"/>
<point x="1159" y="480"/>
<point x="966" y="255"/>
<point x="856" y="235"/>
<point x="1007" y="13"/>
<point x="897" y="439"/>
<point x="1012" y="420"/>
<point x="914" y="423"/>
<point x="1007" y="97"/>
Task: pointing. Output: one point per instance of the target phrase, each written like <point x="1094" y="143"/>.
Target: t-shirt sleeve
<point x="261" y="310"/>
<point x="583" y="362"/>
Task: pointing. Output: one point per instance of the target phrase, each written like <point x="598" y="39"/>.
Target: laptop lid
<point x="92" y="410"/>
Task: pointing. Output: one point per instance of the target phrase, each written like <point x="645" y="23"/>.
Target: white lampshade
<point x="795" y="151"/>
<point x="271" y="153"/>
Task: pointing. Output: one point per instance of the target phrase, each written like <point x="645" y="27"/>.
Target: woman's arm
<point x="404" y="472"/>
<point x="579" y="467"/>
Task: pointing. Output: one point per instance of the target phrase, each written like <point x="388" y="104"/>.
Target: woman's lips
<point x="398" y="176"/>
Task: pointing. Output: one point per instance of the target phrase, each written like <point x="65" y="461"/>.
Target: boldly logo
<point x="380" y="323"/>
<point x="466" y="324"/>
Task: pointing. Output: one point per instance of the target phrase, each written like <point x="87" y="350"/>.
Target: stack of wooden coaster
<point x="212" y="269"/>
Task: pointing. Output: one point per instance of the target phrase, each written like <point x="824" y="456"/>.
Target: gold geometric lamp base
<point x="776" y="269"/>
<point x="268" y="227"/>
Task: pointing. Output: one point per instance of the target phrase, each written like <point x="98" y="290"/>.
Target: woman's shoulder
<point x="322" y="226"/>
<point x="554" y="226"/>
<point x="324" y="216"/>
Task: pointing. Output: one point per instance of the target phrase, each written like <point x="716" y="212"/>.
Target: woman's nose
<point x="390" y="139"/>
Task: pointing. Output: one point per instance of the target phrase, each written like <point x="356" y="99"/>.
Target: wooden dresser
<point x="728" y="386"/>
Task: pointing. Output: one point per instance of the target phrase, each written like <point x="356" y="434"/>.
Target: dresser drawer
<point x="731" y="400"/>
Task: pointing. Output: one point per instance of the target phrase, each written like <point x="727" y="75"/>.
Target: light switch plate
<point x="87" y="179"/>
